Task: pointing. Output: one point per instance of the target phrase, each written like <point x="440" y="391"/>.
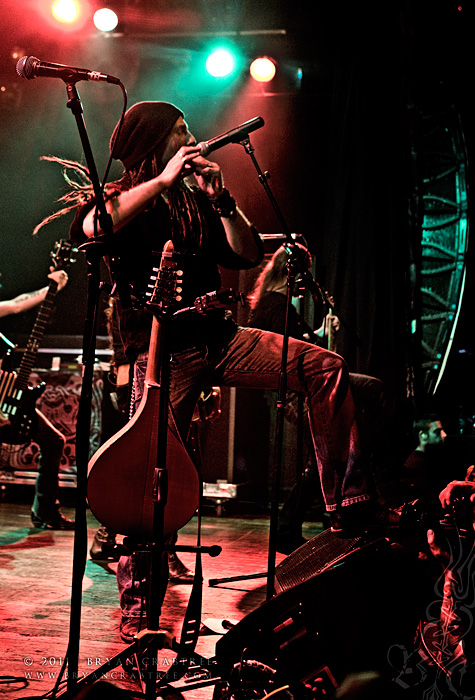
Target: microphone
<point x="30" y="67"/>
<point x="235" y="135"/>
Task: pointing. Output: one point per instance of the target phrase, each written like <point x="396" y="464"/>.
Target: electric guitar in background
<point x="17" y="398"/>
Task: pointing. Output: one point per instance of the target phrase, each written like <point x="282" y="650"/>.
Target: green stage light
<point x="220" y="63"/>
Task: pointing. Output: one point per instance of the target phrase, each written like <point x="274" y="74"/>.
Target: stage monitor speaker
<point x="346" y="615"/>
<point x="316" y="556"/>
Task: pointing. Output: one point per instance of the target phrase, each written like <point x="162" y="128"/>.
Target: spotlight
<point x="263" y="69"/>
<point x="65" y="10"/>
<point x="105" y="20"/>
<point x="220" y="63"/>
<point x="69" y="15"/>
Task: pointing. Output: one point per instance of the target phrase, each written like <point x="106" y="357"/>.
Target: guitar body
<point x="122" y="472"/>
<point x="19" y="409"/>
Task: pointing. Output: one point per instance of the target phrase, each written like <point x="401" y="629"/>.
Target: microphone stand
<point x="292" y="270"/>
<point x="94" y="251"/>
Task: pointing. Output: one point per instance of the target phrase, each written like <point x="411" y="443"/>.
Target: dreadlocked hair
<point x="188" y="225"/>
<point x="80" y="191"/>
<point x="146" y="170"/>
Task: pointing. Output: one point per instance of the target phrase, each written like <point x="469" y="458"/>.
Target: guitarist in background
<point x="45" y="511"/>
<point x="268" y="304"/>
<point x="27" y="301"/>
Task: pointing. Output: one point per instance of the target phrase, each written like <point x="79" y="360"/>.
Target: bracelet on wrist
<point x="224" y="205"/>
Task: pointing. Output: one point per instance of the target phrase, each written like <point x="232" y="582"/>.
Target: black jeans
<point x="51" y="443"/>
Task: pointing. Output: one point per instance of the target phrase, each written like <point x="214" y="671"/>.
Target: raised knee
<point x="328" y="369"/>
<point x="334" y="362"/>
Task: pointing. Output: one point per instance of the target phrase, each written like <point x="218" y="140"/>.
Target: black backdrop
<point x="338" y="145"/>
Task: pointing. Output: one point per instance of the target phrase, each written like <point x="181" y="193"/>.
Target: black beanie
<point x="145" y="126"/>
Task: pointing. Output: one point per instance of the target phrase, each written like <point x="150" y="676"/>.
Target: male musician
<point x="45" y="511"/>
<point x="170" y="191"/>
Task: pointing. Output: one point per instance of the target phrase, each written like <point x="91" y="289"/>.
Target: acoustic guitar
<point x="17" y="398"/>
<point x="122" y="473"/>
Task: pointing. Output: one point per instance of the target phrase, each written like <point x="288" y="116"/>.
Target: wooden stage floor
<point x="35" y="587"/>
<point x="354" y="613"/>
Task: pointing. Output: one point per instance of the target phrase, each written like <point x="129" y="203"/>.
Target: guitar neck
<point x="164" y="288"/>
<point x="331" y="340"/>
<point x="36" y="337"/>
<point x="152" y="374"/>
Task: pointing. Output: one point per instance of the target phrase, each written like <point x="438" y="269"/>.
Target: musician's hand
<point x="455" y="490"/>
<point x="180" y="165"/>
<point x="438" y="548"/>
<point x="334" y="321"/>
<point x="208" y="176"/>
<point x="4" y="420"/>
<point x="59" y="276"/>
<point x="324" y="328"/>
<point x="189" y="161"/>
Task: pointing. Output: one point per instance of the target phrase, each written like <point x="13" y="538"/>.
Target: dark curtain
<point x="367" y="246"/>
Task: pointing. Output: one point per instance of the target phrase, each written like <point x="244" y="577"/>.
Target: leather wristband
<point x="224" y="205"/>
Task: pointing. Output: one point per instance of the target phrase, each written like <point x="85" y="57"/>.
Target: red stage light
<point x="68" y="15"/>
<point x="263" y="69"/>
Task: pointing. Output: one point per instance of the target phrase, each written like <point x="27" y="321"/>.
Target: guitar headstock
<point x="330" y="300"/>
<point x="164" y="288"/>
<point x="62" y="255"/>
